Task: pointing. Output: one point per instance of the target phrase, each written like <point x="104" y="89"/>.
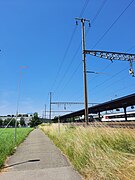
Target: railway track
<point x="130" y="125"/>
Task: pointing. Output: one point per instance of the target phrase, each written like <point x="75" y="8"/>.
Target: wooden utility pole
<point x="84" y="67"/>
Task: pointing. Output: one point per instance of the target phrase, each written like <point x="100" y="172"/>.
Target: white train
<point x="119" y="116"/>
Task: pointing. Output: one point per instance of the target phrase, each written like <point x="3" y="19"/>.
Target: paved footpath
<point x="37" y="158"/>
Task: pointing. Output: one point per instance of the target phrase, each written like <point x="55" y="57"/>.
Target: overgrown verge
<point x="97" y="153"/>
<point x="7" y="144"/>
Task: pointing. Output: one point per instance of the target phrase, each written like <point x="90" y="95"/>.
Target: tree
<point x="1" y="122"/>
<point x="55" y="120"/>
<point x="6" y="121"/>
<point x="10" y="123"/>
<point x="22" y="122"/>
<point x="35" y="120"/>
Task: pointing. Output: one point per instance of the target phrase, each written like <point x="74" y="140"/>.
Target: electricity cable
<point x="69" y="44"/>
<point x="98" y="12"/>
<point x="71" y="62"/>
<point x="100" y="39"/>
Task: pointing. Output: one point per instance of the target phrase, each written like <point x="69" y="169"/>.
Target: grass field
<point x="7" y="145"/>
<point x="97" y="153"/>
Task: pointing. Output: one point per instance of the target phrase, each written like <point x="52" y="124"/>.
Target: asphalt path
<point x="37" y="158"/>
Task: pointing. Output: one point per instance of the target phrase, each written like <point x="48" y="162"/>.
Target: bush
<point x="35" y="120"/>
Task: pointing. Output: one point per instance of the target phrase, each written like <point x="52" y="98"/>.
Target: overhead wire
<point x="100" y="39"/>
<point x="64" y="57"/>
<point x="81" y="14"/>
<point x="84" y="8"/>
<point x="68" y="47"/>
<point x="123" y="88"/>
<point x="112" y="84"/>
<point x="104" y="36"/>
<point x="120" y="80"/>
<point x="87" y="31"/>
<point x="72" y="75"/>
<point x="115" y="74"/>
<point x="94" y="20"/>
<point x="106" y="33"/>
<point x="109" y="78"/>
<point x="98" y="12"/>
<point x="102" y="5"/>
<point x="106" y="67"/>
<point x="68" y="67"/>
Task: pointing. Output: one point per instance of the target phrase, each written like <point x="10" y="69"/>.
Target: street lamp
<point x="19" y="84"/>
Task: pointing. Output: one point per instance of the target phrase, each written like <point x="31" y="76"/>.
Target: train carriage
<point x="119" y="116"/>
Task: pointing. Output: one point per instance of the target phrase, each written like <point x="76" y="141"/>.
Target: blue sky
<point x="38" y="34"/>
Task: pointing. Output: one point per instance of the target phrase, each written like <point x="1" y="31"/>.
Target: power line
<point x="68" y="67"/>
<point x="98" y="12"/>
<point x="87" y="31"/>
<point x="71" y="62"/>
<point x="96" y="15"/>
<point x="69" y="44"/>
<point x="109" y="78"/>
<point x="84" y="8"/>
<point x="98" y="76"/>
<point x="71" y="77"/>
<point x="112" y="84"/>
<point x="64" y="57"/>
<point x="67" y="49"/>
<point x="112" y="24"/>
<point x="124" y="88"/>
<point x="116" y="73"/>
<point x="111" y="27"/>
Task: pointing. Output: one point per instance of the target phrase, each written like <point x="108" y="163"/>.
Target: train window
<point x="131" y="115"/>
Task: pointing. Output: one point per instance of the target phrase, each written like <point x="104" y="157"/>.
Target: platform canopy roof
<point x="122" y="102"/>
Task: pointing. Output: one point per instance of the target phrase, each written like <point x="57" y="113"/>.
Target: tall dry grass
<point x="97" y="153"/>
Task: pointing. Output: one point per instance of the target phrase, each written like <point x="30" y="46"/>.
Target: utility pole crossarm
<point x="82" y="20"/>
<point x="111" y="55"/>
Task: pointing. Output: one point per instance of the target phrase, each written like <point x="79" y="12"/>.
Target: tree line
<point x="10" y="121"/>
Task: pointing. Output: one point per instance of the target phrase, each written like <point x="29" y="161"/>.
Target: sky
<point x="42" y="36"/>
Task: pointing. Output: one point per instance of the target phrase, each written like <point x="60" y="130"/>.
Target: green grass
<point x="97" y="153"/>
<point x="7" y="145"/>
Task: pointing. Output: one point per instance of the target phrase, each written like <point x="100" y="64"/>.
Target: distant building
<point x="27" y="117"/>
